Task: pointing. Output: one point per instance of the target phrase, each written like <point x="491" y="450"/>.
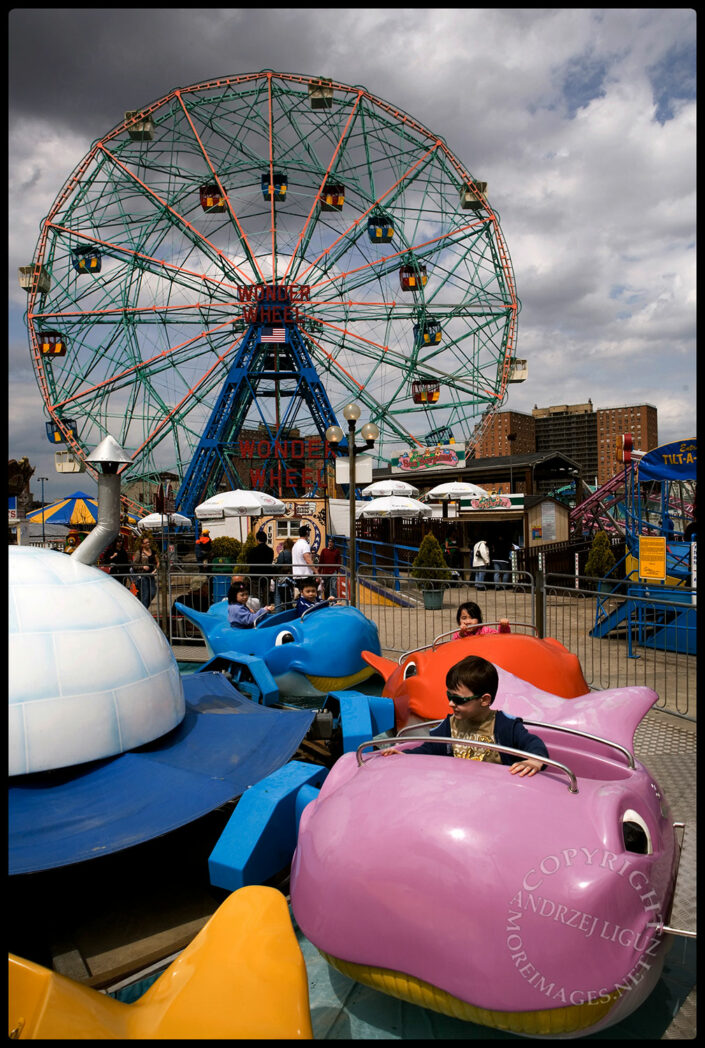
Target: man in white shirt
<point x="480" y="562"/>
<point x="302" y="564"/>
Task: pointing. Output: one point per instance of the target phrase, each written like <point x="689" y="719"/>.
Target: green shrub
<point x="429" y="565"/>
<point x="601" y="559"/>
<point x="242" y="567"/>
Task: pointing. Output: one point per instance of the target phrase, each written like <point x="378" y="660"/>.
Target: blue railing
<point x="384" y="558"/>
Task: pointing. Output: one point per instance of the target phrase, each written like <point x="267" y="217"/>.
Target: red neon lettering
<point x="257" y="478"/>
<point x="247" y="448"/>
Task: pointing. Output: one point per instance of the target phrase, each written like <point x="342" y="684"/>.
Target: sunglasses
<point x="460" y="700"/>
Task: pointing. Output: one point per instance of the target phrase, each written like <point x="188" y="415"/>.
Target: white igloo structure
<point x="91" y="674"/>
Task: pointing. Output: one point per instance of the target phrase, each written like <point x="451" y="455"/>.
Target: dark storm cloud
<point x="104" y="62"/>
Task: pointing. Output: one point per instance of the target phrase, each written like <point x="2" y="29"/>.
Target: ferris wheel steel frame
<point x="113" y="201"/>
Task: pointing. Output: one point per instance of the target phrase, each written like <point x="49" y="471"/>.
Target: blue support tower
<point x="268" y="363"/>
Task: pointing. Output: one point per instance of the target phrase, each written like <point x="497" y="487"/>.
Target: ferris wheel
<point x="157" y="255"/>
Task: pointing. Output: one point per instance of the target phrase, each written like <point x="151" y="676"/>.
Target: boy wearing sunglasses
<point x="471" y="686"/>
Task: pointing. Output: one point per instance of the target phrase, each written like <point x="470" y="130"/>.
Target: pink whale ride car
<point x="532" y="905"/>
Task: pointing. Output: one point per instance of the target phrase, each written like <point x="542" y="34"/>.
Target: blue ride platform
<point x="224" y="744"/>
<point x="260" y="837"/>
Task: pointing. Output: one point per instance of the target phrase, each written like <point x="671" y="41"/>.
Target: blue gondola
<point x="380" y="229"/>
<point x="429" y="333"/>
<point x="56" y="436"/>
<point x="86" y="259"/>
<point x="276" y="186"/>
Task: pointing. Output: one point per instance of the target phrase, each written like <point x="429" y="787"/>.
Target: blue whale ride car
<point x="317" y="652"/>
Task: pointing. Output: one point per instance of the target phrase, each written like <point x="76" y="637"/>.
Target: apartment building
<point x="585" y="435"/>
<point x="640" y="420"/>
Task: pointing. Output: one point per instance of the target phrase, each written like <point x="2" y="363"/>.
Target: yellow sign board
<point x="652" y="557"/>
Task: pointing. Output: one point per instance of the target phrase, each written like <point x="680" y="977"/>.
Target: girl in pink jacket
<point x="469" y="618"/>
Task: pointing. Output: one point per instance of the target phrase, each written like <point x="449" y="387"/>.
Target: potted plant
<point x="430" y="568"/>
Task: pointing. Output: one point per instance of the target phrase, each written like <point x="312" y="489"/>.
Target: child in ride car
<point x="471" y="686"/>
<point x="469" y="618"/>
<point x="239" y="615"/>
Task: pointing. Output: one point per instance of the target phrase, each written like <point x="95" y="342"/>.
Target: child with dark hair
<point x="471" y="686"/>
<point x="308" y="596"/>
<point x="469" y="618"/>
<point x="239" y="615"/>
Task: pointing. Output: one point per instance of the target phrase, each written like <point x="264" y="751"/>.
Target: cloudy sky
<point x="582" y="122"/>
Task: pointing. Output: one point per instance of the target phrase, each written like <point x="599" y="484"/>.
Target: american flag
<point x="272" y="334"/>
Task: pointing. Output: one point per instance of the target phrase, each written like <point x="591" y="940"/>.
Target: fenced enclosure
<point x="652" y="645"/>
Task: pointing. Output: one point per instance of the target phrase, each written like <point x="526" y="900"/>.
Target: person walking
<point x="120" y="561"/>
<point x="283" y="581"/>
<point x="329" y="567"/>
<point x="259" y="558"/>
<point x="145" y="564"/>
<point x="481" y="561"/>
<point x="204" y="550"/>
<point x="302" y="562"/>
<point x="501" y="562"/>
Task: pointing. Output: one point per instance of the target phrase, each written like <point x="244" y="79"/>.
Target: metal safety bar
<point x="437" y="739"/>
<point x="419" y="724"/>
<point x="449" y="633"/>
<point x="440" y="636"/>
<point x="585" y="735"/>
<point x="324" y="603"/>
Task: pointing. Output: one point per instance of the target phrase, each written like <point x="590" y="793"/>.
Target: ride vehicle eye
<point x="410" y="670"/>
<point x="285" y="637"/>
<point x="635" y="834"/>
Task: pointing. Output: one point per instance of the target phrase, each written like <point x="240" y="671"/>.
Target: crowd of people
<point x="276" y="577"/>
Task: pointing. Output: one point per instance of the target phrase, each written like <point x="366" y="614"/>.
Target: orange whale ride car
<point x="243" y="976"/>
<point x="417" y="681"/>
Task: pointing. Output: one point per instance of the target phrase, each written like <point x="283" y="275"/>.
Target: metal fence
<point x="645" y="637"/>
<point x="627" y="636"/>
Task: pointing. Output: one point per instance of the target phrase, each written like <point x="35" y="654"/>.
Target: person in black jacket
<point x="259" y="559"/>
<point x="120" y="561"/>
<point x="471" y="686"/>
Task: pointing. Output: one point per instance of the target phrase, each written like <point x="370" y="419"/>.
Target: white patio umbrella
<point x="380" y="488"/>
<point x="157" y="521"/>
<point x="457" y="489"/>
<point x="394" y="506"/>
<point x="240" y="503"/>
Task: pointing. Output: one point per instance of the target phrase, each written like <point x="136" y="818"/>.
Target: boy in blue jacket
<point x="471" y="686"/>
<point x="308" y="596"/>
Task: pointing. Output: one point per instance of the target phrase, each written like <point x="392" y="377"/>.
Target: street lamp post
<point x="334" y="435"/>
<point x="41" y="481"/>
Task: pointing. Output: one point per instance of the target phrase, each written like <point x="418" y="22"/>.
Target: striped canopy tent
<point x="73" y="511"/>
